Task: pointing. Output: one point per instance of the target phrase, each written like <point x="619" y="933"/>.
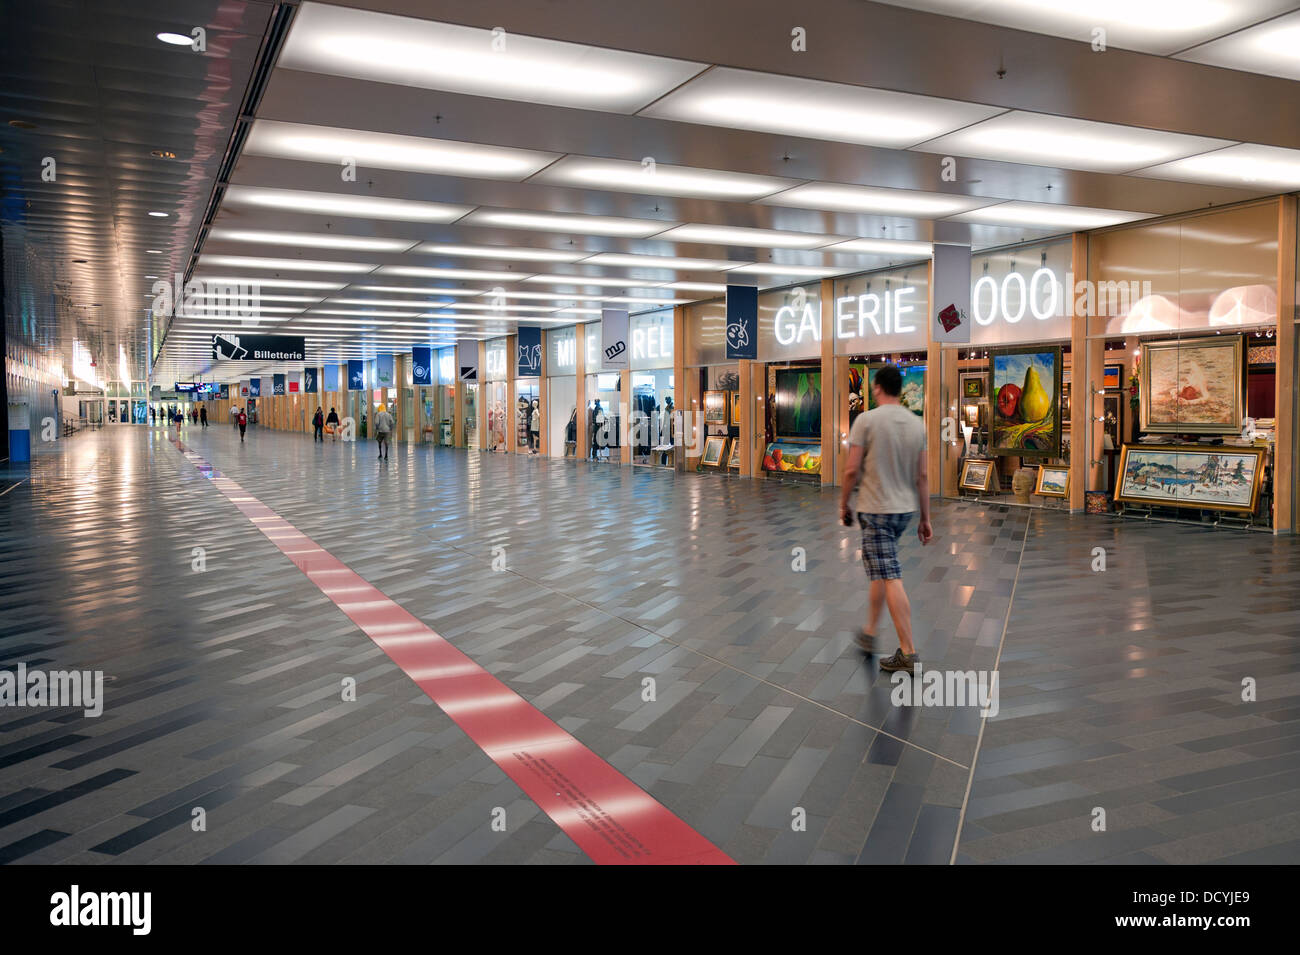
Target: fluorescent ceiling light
<point x="379" y="312"/>
<point x="254" y="296"/>
<point x="419" y="290"/>
<point x="286" y="265"/>
<point x="1246" y="165"/>
<point x="1150" y="26"/>
<point x="695" y="286"/>
<point x="581" y="311"/>
<point x="420" y="303"/>
<point x="659" y="262"/>
<point x="622" y="175"/>
<point x="802" y="271"/>
<point x="433" y="273"/>
<point x="328" y="144"/>
<point x="560" y="297"/>
<point x="1047" y="215"/>
<point x="499" y="252"/>
<point x="598" y="281"/>
<point x="327" y="203"/>
<point x="883" y="247"/>
<point x="442" y="56"/>
<point x="1269" y="48"/>
<point x="559" y="222"/>
<point x="1042" y="140"/>
<point x="795" y="106"/>
<point x="176" y="39"/>
<point x="892" y="202"/>
<point x="757" y="238"/>
<point x="259" y="281"/>
<point x="312" y="240"/>
<point x="480" y="307"/>
<point x="197" y="309"/>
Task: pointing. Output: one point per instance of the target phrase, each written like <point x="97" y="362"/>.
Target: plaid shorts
<point x="880" y="534"/>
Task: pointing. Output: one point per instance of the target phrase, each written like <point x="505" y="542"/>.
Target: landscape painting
<point x="1221" y="478"/>
<point x="1024" y="398"/>
<point x="912" y="397"/>
<point x="1192" y="386"/>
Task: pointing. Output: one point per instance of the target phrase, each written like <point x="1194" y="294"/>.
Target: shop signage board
<point x="277" y="385"/>
<point x="243" y="347"/>
<point x="310" y="381"/>
<point x="614" y="351"/>
<point x="1022" y="295"/>
<point x="495" y="356"/>
<point x="467" y="352"/>
<point x="245" y="387"/>
<point x="742" y="322"/>
<point x="356" y="375"/>
<point x="332" y="377"/>
<point x="528" y="351"/>
<point x="255" y="387"/>
<point x="383" y="371"/>
<point x="421" y="365"/>
<point x="950" y="322"/>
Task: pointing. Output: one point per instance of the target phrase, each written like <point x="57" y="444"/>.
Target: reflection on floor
<point x="769" y="734"/>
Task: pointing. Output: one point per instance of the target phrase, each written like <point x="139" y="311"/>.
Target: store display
<point x="1193" y="386"/>
<point x="977" y="475"/>
<point x="1053" y="482"/>
<point x="1113" y="421"/>
<point x="715" y="407"/>
<point x="1112" y="376"/>
<point x="1022" y="484"/>
<point x="799" y="457"/>
<point x="733" y="460"/>
<point x="798" y="403"/>
<point x="733" y="408"/>
<point x="1024" y="385"/>
<point x="972" y="385"/>
<point x="715" y="449"/>
<point x="1214" y="478"/>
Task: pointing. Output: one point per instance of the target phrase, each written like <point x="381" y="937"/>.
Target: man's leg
<point x="875" y="603"/>
<point x="900" y="610"/>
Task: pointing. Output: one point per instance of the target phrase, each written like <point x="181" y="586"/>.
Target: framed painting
<point x="1213" y="478"/>
<point x="1053" y="481"/>
<point x="1112" y="421"/>
<point x="1112" y="377"/>
<point x="715" y="449"/>
<point x="715" y="407"/>
<point x="733" y="408"/>
<point x="1025" y="402"/>
<point x="733" y="459"/>
<point x="799" y="457"/>
<point x="977" y="475"/>
<point x="972" y="385"/>
<point x="798" y="403"/>
<point x="912" y="395"/>
<point x="1192" y="386"/>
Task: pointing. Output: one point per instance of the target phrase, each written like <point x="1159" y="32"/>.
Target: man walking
<point x="203" y="415"/>
<point x="241" y="419"/>
<point x="318" y="425"/>
<point x="887" y="469"/>
<point x="384" y="425"/>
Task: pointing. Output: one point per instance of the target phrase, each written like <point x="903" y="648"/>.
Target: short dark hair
<point x="890" y="380"/>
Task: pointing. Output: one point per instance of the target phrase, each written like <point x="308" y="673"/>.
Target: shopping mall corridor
<point x="574" y="584"/>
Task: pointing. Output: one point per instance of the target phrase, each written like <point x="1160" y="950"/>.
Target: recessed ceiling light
<point x="154" y="251"/>
<point x="598" y="281"/>
<point x="158" y="215"/>
<point x="799" y="271"/>
<point x="419" y="290"/>
<point x="313" y="240"/>
<point x="1268" y="48"/>
<point x="176" y="39"/>
<point x="1246" y="165"/>
<point x="328" y="203"/>
<point x="658" y="262"/>
<point x="883" y="247"/>
<point x="1047" y="215"/>
<point x="790" y="105"/>
<point x="162" y="153"/>
<point x="659" y="179"/>
<point x="559" y="222"/>
<point x="433" y="273"/>
<point x="1042" y="140"/>
<point x="393" y="49"/>
<point x="503" y="253"/>
<point x="895" y="202"/>
<point x="695" y="286"/>
<point x="286" y="265"/>
<point x="757" y="238"/>
<point x="392" y="151"/>
<point x="262" y="282"/>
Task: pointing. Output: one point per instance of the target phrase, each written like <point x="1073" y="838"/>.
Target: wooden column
<point x="934" y="398"/>
<point x="1085" y="375"/>
<point x="580" y="391"/>
<point x="1284" y="448"/>
<point x="544" y="400"/>
<point x="625" y="406"/>
<point x="747" y="371"/>
<point x="830" y="434"/>
<point x="480" y="410"/>
<point x="680" y="399"/>
<point x="512" y="395"/>
<point x="458" y="402"/>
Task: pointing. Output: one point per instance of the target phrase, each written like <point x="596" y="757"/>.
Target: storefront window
<point x="562" y="391"/>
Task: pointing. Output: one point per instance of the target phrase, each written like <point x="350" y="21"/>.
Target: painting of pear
<point x="1035" y="402"/>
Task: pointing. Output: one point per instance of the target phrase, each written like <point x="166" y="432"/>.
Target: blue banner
<point x="356" y="375"/>
<point x="309" y="381"/>
<point x="421" y="364"/>
<point x="528" y="351"/>
<point x="255" y="387"/>
<point x="277" y="384"/>
<point x="332" y="376"/>
<point x="383" y="371"/>
<point x="742" y="322"/>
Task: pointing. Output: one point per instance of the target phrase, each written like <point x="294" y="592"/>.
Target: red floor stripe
<point x="611" y="819"/>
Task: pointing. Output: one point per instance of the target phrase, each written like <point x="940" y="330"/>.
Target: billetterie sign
<point x="242" y="347"/>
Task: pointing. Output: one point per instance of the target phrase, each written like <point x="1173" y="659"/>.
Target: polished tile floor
<point x="770" y="735"/>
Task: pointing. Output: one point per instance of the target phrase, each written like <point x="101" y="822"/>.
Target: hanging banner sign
<point x="421" y="365"/>
<point x="242" y="347"/>
<point x="310" y="382"/>
<point x="356" y="375"/>
<point x="528" y="351"/>
<point x="383" y="371"/>
<point x="332" y="377"/>
<point x="742" y="322"/>
<point x="614" y="352"/>
<point x="950" y="322"/>
<point x="293" y="386"/>
<point x="467" y="359"/>
<point x="277" y="384"/>
<point x="244" y="387"/>
<point x="255" y="387"/>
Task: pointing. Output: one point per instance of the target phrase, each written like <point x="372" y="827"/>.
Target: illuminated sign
<point x="1014" y="297"/>
<point x="791" y="326"/>
<point x="882" y="313"/>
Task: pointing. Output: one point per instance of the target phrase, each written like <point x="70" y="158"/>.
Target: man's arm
<point x="923" y="529"/>
<point x="852" y="470"/>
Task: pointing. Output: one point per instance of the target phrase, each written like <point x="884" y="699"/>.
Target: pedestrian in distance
<point x="242" y="420"/>
<point x="332" y="425"/>
<point x="384" y="425"/>
<point x="886" y="475"/>
<point x="535" y="426"/>
<point x="318" y="425"/>
<point x="203" y="415"/>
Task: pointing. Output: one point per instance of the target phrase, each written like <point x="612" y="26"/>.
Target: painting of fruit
<point x="793" y="457"/>
<point x="1026" y="384"/>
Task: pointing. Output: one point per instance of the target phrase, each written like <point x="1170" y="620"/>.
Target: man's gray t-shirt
<point x="894" y="439"/>
<point x="383" y="423"/>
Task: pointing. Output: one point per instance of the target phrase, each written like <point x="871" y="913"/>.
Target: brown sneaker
<point x="899" y="661"/>
<point x="866" y="642"/>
